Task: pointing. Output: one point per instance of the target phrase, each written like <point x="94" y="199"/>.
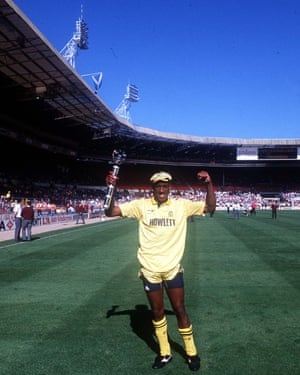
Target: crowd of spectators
<point x="63" y="188"/>
<point x="57" y="199"/>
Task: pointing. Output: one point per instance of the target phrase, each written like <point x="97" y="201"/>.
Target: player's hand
<point x="111" y="179"/>
<point x="204" y="177"/>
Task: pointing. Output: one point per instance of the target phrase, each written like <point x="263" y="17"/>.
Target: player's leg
<point x="175" y="291"/>
<point x="154" y="293"/>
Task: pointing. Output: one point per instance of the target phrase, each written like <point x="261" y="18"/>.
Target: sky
<point x="208" y="68"/>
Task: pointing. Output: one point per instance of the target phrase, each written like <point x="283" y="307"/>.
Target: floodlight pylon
<point x="131" y="96"/>
<point x="78" y="41"/>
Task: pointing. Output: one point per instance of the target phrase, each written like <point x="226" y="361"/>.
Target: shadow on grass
<point x="141" y="324"/>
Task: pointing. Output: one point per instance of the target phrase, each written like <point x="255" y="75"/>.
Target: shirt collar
<point x="167" y="203"/>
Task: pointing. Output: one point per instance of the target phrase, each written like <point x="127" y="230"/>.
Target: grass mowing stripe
<point x="78" y="307"/>
<point x="73" y="309"/>
<point x="247" y="314"/>
<point x="276" y="242"/>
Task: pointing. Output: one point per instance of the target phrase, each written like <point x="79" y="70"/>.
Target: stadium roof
<point x="48" y="105"/>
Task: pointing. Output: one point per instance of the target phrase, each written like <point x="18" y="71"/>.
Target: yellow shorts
<point x="159" y="277"/>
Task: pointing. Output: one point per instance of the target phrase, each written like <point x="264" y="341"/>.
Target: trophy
<point x="118" y="157"/>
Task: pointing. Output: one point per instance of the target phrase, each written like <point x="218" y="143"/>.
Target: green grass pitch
<point x="71" y="301"/>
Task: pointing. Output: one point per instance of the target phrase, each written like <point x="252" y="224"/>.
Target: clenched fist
<point x="204" y="177"/>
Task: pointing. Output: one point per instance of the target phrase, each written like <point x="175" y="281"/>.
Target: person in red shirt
<point x="28" y="218"/>
<point x="274" y="207"/>
<point x="80" y="213"/>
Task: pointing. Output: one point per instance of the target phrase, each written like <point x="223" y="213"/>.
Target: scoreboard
<point x="268" y="153"/>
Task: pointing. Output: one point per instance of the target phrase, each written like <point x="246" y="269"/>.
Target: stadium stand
<point x="57" y="146"/>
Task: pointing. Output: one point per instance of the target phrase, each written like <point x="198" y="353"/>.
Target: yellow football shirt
<point x="162" y="230"/>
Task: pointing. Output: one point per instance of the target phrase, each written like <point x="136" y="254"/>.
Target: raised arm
<point x="210" y="200"/>
<point x="112" y="210"/>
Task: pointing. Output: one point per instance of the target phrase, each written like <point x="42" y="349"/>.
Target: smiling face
<point x="161" y="191"/>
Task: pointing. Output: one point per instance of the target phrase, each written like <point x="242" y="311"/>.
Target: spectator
<point x="2" y="225"/>
<point x="17" y="210"/>
<point x="236" y="210"/>
<point x="253" y="208"/>
<point x="274" y="210"/>
<point x="80" y="213"/>
<point x="28" y="218"/>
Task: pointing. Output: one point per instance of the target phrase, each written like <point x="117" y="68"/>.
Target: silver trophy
<point x="118" y="157"/>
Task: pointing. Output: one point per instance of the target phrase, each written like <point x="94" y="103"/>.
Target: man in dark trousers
<point x="18" y="219"/>
<point x="2" y="225"/>
<point x="28" y="218"/>
<point x="80" y="213"/>
<point x="274" y="210"/>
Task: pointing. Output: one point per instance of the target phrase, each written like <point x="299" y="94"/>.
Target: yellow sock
<point x="161" y="332"/>
<point x="188" y="339"/>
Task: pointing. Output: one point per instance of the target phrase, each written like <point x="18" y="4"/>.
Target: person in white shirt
<point x="18" y="219"/>
<point x="236" y="208"/>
